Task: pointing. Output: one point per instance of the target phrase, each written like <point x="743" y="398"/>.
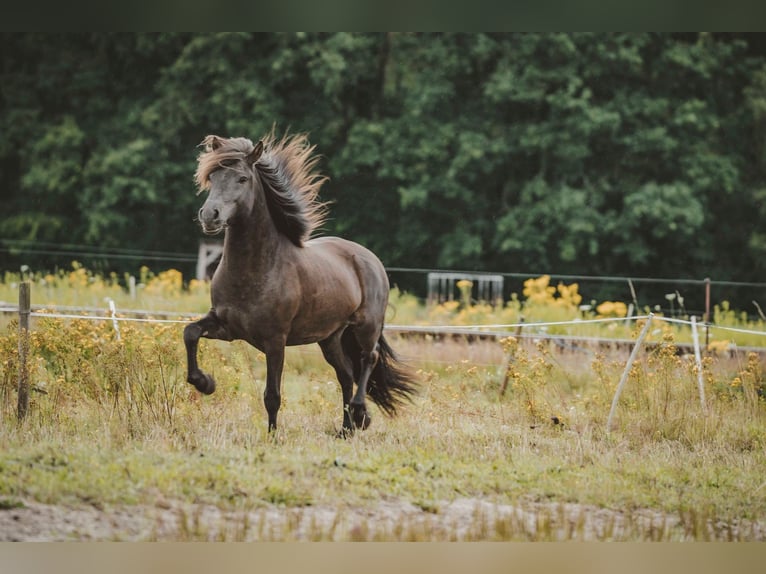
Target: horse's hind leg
<point x="367" y="337"/>
<point x="332" y="349"/>
<point x="209" y="327"/>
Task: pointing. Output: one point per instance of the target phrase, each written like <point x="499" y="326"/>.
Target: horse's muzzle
<point x="210" y="219"/>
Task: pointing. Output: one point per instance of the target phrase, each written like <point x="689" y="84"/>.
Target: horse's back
<point x="350" y="251"/>
<point x="345" y="256"/>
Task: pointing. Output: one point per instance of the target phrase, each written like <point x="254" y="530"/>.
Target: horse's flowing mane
<point x="286" y="171"/>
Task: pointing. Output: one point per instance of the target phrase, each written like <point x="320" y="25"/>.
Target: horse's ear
<point x="255" y="155"/>
<point x="211" y="142"/>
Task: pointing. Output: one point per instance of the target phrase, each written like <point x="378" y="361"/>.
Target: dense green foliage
<point x="634" y="154"/>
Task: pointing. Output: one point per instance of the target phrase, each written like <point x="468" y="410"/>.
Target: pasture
<point x="118" y="446"/>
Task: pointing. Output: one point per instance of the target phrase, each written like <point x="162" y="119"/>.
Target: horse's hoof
<point x="204" y="383"/>
<point x="359" y="415"/>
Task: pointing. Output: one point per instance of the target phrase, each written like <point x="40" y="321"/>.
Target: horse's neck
<point x="252" y="246"/>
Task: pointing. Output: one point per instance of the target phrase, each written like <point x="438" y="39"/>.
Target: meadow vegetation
<point x="513" y="430"/>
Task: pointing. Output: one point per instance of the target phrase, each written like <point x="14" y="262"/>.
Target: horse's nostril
<point x="209" y="214"/>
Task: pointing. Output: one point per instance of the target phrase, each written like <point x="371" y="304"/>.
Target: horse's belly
<point x="305" y="332"/>
<point x="294" y="341"/>
<point x="328" y="303"/>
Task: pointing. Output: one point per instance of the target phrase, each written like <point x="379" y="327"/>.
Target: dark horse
<point x="275" y="287"/>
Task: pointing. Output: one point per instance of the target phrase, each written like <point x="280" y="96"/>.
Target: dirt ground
<point x="463" y="519"/>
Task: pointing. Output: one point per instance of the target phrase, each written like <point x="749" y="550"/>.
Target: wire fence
<point x="485" y="329"/>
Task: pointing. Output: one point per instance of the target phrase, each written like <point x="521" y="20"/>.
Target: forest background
<point x="635" y="154"/>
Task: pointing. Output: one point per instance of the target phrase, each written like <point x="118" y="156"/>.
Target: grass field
<point x="118" y="446"/>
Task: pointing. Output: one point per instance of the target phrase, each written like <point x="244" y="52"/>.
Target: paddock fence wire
<point x="488" y="330"/>
<point x="483" y="330"/>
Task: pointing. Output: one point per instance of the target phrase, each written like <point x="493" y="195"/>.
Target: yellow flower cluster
<point x="540" y="292"/>
<point x="612" y="309"/>
<point x="79" y="278"/>
<point x="167" y="284"/>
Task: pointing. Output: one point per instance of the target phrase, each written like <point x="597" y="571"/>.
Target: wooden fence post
<point x="25" y="308"/>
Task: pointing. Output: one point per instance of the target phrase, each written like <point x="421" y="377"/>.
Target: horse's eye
<point x="243" y="179"/>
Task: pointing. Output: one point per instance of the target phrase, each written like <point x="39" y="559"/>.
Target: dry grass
<point x="113" y="424"/>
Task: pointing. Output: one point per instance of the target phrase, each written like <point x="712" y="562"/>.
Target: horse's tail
<point x="391" y="383"/>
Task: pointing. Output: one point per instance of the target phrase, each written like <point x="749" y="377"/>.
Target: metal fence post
<point x="25" y="308"/>
<point x="698" y="361"/>
<point x="707" y="317"/>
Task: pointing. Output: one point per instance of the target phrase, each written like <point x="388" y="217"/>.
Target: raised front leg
<point x="272" y="397"/>
<point x="209" y="327"/>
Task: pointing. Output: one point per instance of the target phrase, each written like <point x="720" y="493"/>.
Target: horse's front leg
<point x="209" y="327"/>
<point x="272" y="396"/>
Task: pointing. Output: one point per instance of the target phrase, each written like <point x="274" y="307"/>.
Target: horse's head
<point x="274" y="178"/>
<point x="228" y="173"/>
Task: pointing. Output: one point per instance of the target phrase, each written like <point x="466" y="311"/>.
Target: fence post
<point x="25" y="308"/>
<point x="707" y="312"/>
<point x="698" y="360"/>
<point x="113" y="312"/>
<point x="626" y="372"/>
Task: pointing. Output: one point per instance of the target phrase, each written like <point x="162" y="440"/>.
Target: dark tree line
<point x="624" y="154"/>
